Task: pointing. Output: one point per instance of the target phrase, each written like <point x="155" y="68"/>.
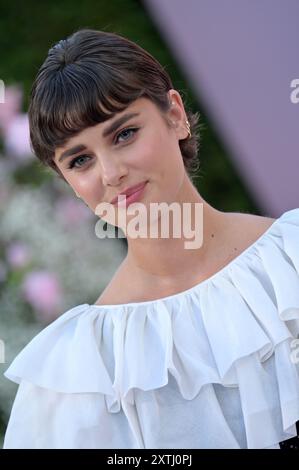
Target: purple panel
<point x="240" y="56"/>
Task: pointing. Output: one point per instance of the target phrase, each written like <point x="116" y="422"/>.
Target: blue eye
<point x="126" y="133"/>
<point x="131" y="131"/>
<point x="75" y="160"/>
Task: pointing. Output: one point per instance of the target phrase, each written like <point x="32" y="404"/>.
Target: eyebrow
<point x="109" y="130"/>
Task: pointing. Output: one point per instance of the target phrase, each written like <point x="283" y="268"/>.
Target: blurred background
<point x="232" y="61"/>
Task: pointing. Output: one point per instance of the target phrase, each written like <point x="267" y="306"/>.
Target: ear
<point x="177" y="114"/>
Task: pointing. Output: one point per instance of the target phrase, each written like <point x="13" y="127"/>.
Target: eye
<point x="126" y="132"/>
<point x="73" y="162"/>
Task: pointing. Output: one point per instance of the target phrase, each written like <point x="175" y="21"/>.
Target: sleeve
<point x="45" y="419"/>
<point x="30" y="412"/>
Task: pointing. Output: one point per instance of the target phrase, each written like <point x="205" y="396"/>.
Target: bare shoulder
<point x="236" y="232"/>
<point x="244" y="229"/>
<point x="255" y="224"/>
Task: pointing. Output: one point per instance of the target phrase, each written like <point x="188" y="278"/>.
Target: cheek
<point x="88" y="185"/>
<point x="165" y="156"/>
<point x="151" y="152"/>
<point x="160" y="158"/>
<point x="145" y="155"/>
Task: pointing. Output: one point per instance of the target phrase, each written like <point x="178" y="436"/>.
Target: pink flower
<point x="11" y="107"/>
<point x="17" y="138"/>
<point x="17" y="255"/>
<point x="42" y="290"/>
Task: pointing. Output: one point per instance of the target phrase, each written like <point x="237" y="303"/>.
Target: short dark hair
<point x="86" y="79"/>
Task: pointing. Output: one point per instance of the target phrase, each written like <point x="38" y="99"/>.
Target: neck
<point x="168" y="259"/>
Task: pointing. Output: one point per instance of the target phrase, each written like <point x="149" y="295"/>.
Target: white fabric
<point x="210" y="367"/>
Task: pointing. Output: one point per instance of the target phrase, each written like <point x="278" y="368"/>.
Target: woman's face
<point x="100" y="165"/>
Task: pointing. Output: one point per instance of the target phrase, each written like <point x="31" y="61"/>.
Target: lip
<point x="132" y="194"/>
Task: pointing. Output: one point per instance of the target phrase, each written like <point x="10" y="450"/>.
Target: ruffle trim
<point x="220" y="331"/>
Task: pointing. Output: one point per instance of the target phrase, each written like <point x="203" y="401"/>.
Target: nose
<point x="113" y="170"/>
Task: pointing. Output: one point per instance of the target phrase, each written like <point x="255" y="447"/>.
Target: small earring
<point x="188" y="128"/>
<point x="77" y="195"/>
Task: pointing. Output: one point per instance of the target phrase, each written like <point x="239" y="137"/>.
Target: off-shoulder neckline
<point x="198" y="285"/>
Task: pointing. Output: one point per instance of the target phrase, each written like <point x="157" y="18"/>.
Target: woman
<point x="185" y="348"/>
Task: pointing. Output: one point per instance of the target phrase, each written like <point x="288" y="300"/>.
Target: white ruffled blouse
<point x="215" y="366"/>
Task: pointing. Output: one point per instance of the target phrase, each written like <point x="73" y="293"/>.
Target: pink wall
<point x="240" y="56"/>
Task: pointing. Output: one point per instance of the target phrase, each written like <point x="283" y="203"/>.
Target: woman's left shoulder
<point x="250" y="225"/>
<point x="254" y="226"/>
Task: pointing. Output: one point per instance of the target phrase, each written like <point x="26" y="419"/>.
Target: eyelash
<point x="72" y="163"/>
